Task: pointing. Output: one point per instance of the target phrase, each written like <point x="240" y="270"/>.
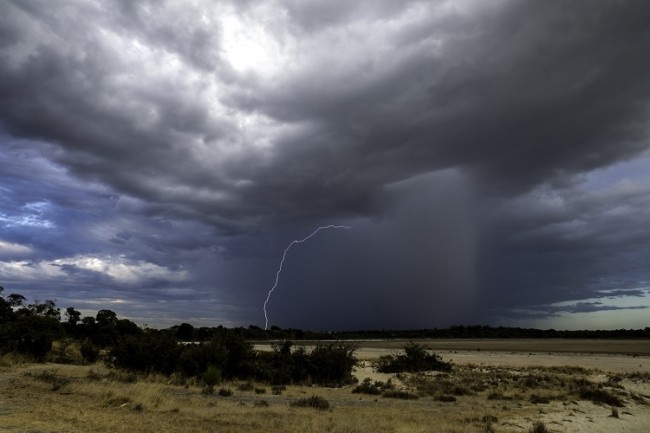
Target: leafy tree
<point x="73" y="317"/>
<point x="185" y="332"/>
<point x="15" y="300"/>
<point x="106" y="318"/>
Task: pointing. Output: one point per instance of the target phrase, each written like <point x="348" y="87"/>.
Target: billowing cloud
<point x="491" y="156"/>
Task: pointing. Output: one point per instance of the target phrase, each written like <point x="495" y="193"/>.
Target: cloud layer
<point x="492" y="157"/>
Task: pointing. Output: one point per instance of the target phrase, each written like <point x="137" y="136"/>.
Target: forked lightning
<point x="284" y="255"/>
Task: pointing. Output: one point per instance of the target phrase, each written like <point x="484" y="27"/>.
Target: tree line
<point x="30" y="329"/>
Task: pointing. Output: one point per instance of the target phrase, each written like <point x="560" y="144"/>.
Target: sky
<point x="492" y="159"/>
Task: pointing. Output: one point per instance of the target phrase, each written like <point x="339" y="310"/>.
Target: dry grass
<point x="74" y="398"/>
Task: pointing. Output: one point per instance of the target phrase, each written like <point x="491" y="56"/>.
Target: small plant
<point x="498" y="395"/>
<point x="539" y="399"/>
<point x="93" y="376"/>
<point x="89" y="352"/>
<point x="314" y="401"/>
<point x="50" y="377"/>
<point x="370" y="388"/>
<point x="445" y="398"/>
<point x="246" y="386"/>
<point x="538" y="427"/>
<point x="211" y="377"/>
<point x="614" y="413"/>
<point x="225" y="392"/>
<point x="402" y="395"/>
<point x="414" y="359"/>
<point x="598" y="395"/>
<point x="277" y="389"/>
<point x="260" y="390"/>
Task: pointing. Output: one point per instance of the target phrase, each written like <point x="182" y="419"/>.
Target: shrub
<point x="368" y="387"/>
<point x="211" y="377"/>
<point x="89" y="352"/>
<point x="598" y="395"/>
<point x="538" y="427"/>
<point x="539" y="399"/>
<point x="246" y="386"/>
<point x="260" y="390"/>
<point x="225" y="392"/>
<point x="414" y="359"/>
<point x="445" y="398"/>
<point x="314" y="401"/>
<point x="403" y="395"/>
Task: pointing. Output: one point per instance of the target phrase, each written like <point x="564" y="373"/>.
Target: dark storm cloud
<point x="167" y="137"/>
<point x="517" y="93"/>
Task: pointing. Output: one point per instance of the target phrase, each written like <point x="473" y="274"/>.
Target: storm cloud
<point x="491" y="156"/>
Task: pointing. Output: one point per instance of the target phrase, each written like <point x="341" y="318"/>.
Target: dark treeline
<point x="476" y="331"/>
<point x="31" y="329"/>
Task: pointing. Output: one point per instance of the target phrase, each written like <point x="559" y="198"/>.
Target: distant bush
<point x="414" y="359"/>
<point x="445" y="398"/>
<point x="403" y="395"/>
<point x="372" y="388"/>
<point x="314" y="401"/>
<point x="246" y="386"/>
<point x="225" y="392"/>
<point x="539" y="399"/>
<point x="89" y="352"/>
<point x="211" y="377"/>
<point x="598" y="395"/>
<point x="538" y="427"/>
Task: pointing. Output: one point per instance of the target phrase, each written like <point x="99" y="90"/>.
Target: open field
<point x="488" y="391"/>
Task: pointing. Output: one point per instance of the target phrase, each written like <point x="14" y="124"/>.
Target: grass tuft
<point x="315" y="401"/>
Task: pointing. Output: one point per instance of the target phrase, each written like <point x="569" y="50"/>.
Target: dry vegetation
<point x="472" y="398"/>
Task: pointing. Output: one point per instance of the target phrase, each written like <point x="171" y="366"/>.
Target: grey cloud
<point x="455" y="136"/>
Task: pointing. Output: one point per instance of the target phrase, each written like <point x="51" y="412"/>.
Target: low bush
<point x="414" y="359"/>
<point x="314" y="401"/>
<point x="246" y="386"/>
<point x="225" y="392"/>
<point x="372" y="388"/>
<point x="539" y="399"/>
<point x="599" y="395"/>
<point x="538" y="427"/>
<point x="445" y="398"/>
<point x="402" y="395"/>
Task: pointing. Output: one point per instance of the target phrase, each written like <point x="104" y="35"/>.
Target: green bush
<point x="225" y="392"/>
<point x="89" y="352"/>
<point x="212" y="376"/>
<point x="402" y="395"/>
<point x="372" y="388"/>
<point x="414" y="359"/>
<point x="314" y="401"/>
<point x="598" y="395"/>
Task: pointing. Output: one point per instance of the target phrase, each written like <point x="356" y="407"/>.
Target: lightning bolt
<point x="284" y="256"/>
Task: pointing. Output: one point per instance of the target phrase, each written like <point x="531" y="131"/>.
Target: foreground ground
<point x="492" y="389"/>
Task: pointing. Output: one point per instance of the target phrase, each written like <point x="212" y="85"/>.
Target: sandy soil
<point x="601" y="361"/>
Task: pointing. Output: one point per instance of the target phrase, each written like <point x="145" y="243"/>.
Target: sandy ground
<point x="602" y="361"/>
<point x="607" y="357"/>
<point x="617" y="356"/>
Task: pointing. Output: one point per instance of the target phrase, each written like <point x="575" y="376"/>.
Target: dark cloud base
<point x="492" y="157"/>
